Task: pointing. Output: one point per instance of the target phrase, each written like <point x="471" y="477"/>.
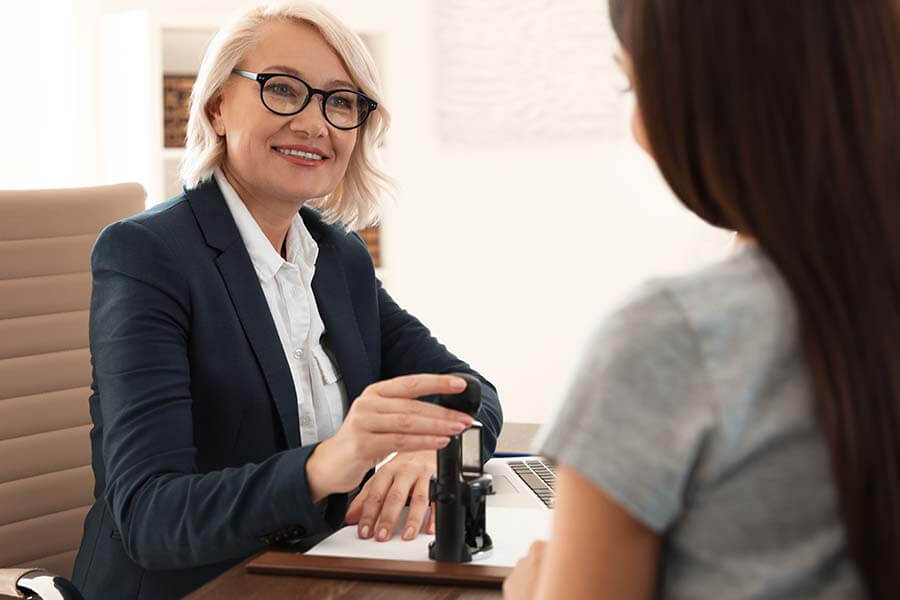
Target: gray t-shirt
<point x="692" y="409"/>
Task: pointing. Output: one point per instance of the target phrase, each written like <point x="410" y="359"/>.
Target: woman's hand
<point x="385" y="418"/>
<point x="522" y="582"/>
<point x="381" y="500"/>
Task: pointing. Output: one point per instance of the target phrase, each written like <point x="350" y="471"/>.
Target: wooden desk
<point x="237" y="583"/>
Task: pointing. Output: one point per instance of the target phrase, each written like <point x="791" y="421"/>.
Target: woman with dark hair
<point x="735" y="433"/>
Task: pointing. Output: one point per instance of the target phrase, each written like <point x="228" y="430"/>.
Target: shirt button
<point x="306" y="421"/>
<point x="298" y="353"/>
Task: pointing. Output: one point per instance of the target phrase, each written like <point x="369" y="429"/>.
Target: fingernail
<point x="458" y="427"/>
<point x="409" y="533"/>
<point x="458" y="384"/>
<point x="440" y="442"/>
<point x="382" y="535"/>
<point x="364" y="532"/>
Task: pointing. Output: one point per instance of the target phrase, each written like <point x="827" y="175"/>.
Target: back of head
<point x="780" y="120"/>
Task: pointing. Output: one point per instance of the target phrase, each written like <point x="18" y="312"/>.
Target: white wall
<point x="48" y="106"/>
<point x="510" y="255"/>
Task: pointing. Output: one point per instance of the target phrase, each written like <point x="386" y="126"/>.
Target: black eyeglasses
<point x="287" y="95"/>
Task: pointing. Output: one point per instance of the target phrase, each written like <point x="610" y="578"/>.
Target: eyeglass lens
<point x="285" y="95"/>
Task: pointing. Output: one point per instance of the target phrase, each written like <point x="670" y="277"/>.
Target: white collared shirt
<point x="287" y="285"/>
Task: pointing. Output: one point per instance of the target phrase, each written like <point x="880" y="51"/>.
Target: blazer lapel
<point x="336" y="309"/>
<point x="249" y="301"/>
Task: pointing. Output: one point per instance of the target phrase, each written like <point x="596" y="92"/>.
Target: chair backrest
<point x="46" y="482"/>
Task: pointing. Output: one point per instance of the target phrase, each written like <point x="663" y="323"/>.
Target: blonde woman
<point x="249" y="369"/>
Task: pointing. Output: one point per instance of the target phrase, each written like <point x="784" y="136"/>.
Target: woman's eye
<point x="281" y="89"/>
<point x="341" y="102"/>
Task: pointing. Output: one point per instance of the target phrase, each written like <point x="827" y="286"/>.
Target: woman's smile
<point x="304" y="156"/>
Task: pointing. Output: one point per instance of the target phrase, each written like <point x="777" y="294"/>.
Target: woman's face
<point x="637" y="121"/>
<point x="256" y="140"/>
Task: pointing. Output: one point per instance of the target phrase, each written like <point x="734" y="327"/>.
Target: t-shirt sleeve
<point x="639" y="409"/>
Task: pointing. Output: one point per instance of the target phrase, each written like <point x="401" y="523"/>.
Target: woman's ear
<point x="638" y="130"/>
<point x="637" y="119"/>
<point x="214" y="113"/>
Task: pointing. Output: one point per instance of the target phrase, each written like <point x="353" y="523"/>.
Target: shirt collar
<point x="300" y="247"/>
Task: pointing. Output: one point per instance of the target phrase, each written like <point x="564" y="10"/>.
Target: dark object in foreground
<point x="460" y="489"/>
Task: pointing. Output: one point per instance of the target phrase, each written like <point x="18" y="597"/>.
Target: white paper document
<point x="511" y="529"/>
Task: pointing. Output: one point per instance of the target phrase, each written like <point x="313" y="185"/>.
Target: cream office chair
<point x="46" y="482"/>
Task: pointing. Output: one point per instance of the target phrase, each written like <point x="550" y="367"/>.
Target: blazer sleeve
<point x="168" y="514"/>
<point x="407" y="346"/>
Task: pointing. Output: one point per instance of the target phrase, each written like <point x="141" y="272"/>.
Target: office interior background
<point x="523" y="209"/>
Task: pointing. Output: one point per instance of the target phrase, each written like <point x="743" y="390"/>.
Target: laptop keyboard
<point x="539" y="475"/>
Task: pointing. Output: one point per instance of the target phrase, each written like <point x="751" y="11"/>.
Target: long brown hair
<point x="781" y="120"/>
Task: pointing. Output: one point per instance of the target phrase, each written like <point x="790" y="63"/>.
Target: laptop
<point x="522" y="482"/>
<point x="519" y="482"/>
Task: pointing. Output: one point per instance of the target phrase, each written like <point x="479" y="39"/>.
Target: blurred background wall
<point x="513" y="230"/>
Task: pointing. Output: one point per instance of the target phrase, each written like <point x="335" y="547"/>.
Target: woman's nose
<point x="310" y="120"/>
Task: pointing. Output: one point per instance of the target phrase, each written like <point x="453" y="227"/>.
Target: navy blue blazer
<point x="196" y="441"/>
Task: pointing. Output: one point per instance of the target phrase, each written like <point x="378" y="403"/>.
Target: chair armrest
<point x="36" y="584"/>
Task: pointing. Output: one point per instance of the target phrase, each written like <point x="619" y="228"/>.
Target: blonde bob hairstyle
<point x="355" y="200"/>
